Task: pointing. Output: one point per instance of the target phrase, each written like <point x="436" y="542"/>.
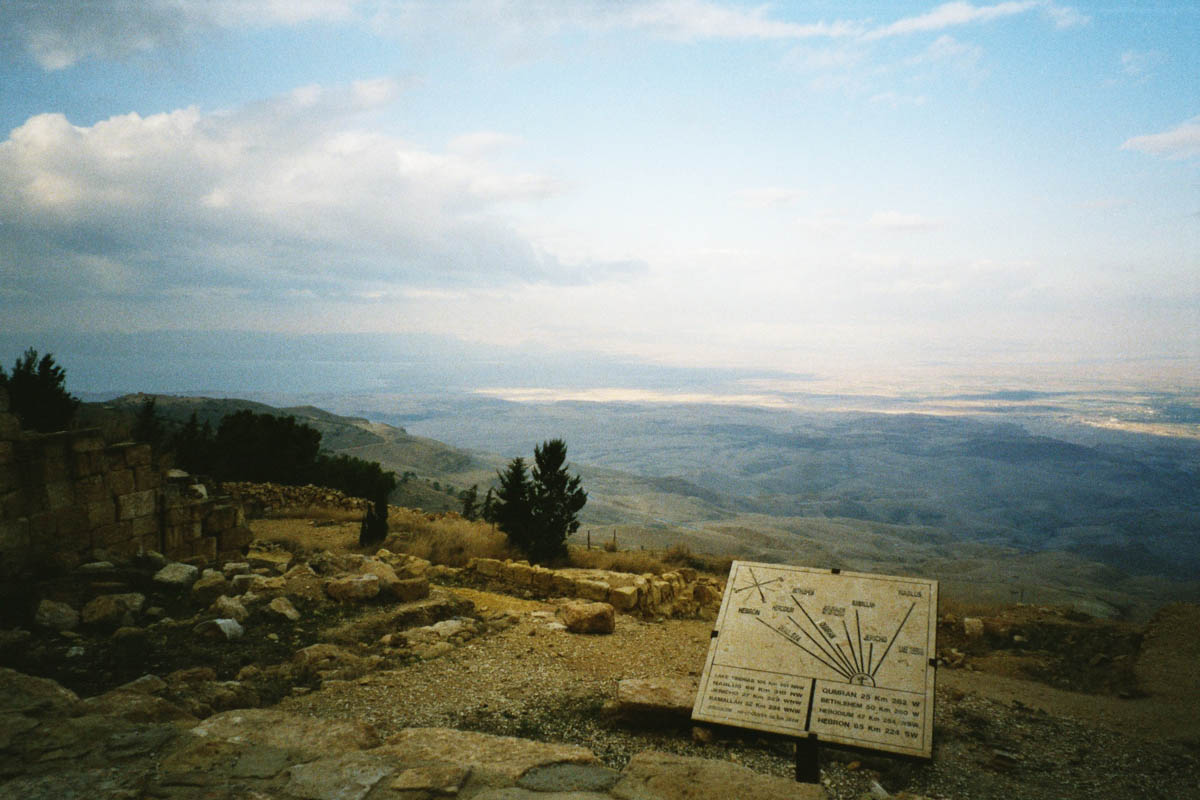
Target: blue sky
<point x="819" y="188"/>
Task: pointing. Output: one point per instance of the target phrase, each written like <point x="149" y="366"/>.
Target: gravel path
<point x="534" y="681"/>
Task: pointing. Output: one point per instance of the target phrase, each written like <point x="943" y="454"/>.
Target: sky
<point x="797" y="189"/>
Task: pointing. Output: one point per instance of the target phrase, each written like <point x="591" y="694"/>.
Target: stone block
<point x="91" y="489"/>
<point x="87" y="443"/>
<point x="488" y="567"/>
<point x="146" y="478"/>
<point x="125" y="548"/>
<point x="101" y="535"/>
<point x="72" y="523"/>
<point x="41" y="525"/>
<point x="10" y="477"/>
<point x="407" y="590"/>
<point x="517" y="574"/>
<point x="562" y="585"/>
<point x="591" y="590"/>
<point x="49" y="470"/>
<point x="205" y="547"/>
<point x="136" y="504"/>
<point x="656" y="697"/>
<point x="59" y="495"/>
<point x="623" y="598"/>
<point x="12" y="504"/>
<point x="120" y="481"/>
<point x="353" y="588"/>
<point x="145" y="526"/>
<point x="220" y="518"/>
<point x="234" y="540"/>
<point x="10" y="426"/>
<point x="173" y="539"/>
<point x="115" y="454"/>
<point x="588" y="617"/>
<point x="138" y="455"/>
<point x="543" y="579"/>
<point x="14" y="538"/>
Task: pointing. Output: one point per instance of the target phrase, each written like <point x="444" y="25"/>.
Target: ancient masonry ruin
<point x="65" y="495"/>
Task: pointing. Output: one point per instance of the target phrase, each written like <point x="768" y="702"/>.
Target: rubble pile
<point x="266" y="498"/>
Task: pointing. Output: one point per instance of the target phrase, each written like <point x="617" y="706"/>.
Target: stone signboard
<point x="843" y="655"/>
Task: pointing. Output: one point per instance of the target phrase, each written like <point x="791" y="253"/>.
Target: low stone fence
<point x="263" y="498"/>
<point x="681" y="593"/>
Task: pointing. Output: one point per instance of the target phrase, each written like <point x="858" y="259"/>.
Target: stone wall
<point x="65" y="495"/>
<point x="681" y="593"/>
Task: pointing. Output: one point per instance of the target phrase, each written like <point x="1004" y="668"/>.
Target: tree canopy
<point x="539" y="509"/>
<point x="36" y="393"/>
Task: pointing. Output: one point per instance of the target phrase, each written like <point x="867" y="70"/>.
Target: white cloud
<point x="697" y="19"/>
<point x="1182" y="141"/>
<point x="482" y="143"/>
<point x="284" y="194"/>
<point x="1065" y="16"/>
<point x="950" y="15"/>
<point x="900" y="221"/>
<point x="61" y="33"/>
<point x="1139" y="63"/>
<point x="769" y="197"/>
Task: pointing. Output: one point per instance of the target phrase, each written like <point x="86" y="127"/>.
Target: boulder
<point x="56" y="616"/>
<point x="973" y="627"/>
<point x="275" y="560"/>
<point x="330" y="661"/>
<point x="229" y="608"/>
<point x="387" y="576"/>
<point x="113" y="610"/>
<point x="177" y="575"/>
<point x="353" y="588"/>
<point x="301" y="582"/>
<point x="209" y="587"/>
<point x="136" y="707"/>
<point x="228" y="629"/>
<point x="656" y="697"/>
<point x="588" y="617"/>
<point x="407" y="590"/>
<point x="284" y="608"/>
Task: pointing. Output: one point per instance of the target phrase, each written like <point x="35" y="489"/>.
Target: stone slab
<point x="652" y="775"/>
<point x="844" y="655"/>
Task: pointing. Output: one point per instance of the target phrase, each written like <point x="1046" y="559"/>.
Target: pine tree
<point x="510" y="507"/>
<point x="148" y="426"/>
<point x="556" y="500"/>
<point x="470" y="502"/>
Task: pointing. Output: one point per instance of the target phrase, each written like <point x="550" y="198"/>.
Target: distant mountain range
<point x="1027" y="503"/>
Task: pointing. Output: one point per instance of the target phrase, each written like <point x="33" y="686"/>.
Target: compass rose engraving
<point x="756" y="585"/>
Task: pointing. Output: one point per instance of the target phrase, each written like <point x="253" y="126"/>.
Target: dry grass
<point x="318" y="513"/>
<point x="656" y="562"/>
<point x="444" y="539"/>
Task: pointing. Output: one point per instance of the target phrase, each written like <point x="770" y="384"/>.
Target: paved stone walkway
<point x="54" y="747"/>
